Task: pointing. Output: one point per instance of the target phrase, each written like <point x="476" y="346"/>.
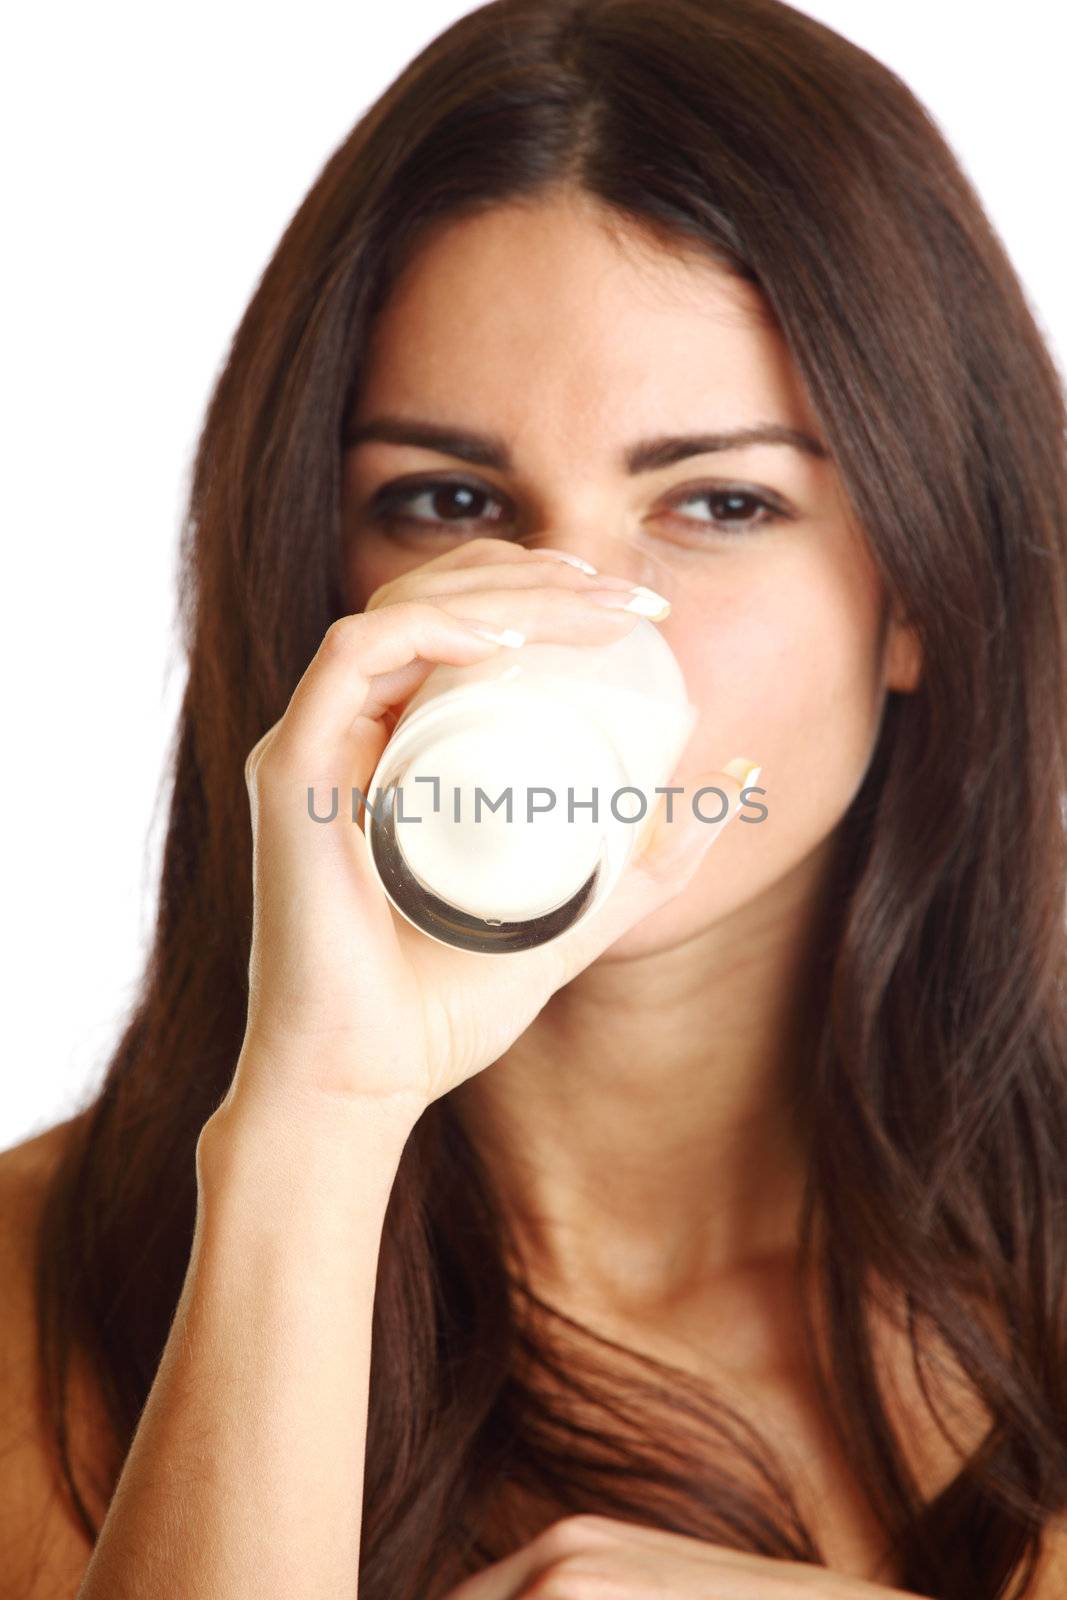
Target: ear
<point x="902" y="661"/>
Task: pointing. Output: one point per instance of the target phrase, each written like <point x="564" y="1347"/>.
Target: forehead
<point x="549" y="315"/>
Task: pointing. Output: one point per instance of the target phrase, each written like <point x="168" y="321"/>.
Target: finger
<point x="544" y="572"/>
<point x="540" y="615"/>
<point x="487" y="548"/>
<point x="509" y="1578"/>
<point x="665" y="863"/>
<point x="474" y="552"/>
<point x="332" y="713"/>
<point x="334" y="700"/>
<point x="675" y="845"/>
<point x="666" y="859"/>
<point x="552" y="614"/>
<point x="252" y="758"/>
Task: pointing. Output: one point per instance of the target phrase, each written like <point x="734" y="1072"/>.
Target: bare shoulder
<point x="43" y="1550"/>
<point x="24" y="1170"/>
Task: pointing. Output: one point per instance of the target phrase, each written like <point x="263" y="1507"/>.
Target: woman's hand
<point x="346" y="999"/>
<point x="591" y="1558"/>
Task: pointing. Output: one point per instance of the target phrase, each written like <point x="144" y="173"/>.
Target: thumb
<point x="671" y="850"/>
<point x="666" y="857"/>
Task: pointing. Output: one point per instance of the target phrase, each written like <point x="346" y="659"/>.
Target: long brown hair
<point x="938" y="1085"/>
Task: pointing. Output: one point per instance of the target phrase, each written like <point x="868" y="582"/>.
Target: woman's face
<point x="532" y="324"/>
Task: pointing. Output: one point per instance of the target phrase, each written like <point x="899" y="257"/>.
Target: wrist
<point x="284" y="1135"/>
<point x="317" y="1081"/>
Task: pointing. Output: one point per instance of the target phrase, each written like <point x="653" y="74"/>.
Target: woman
<point x="714" y="1249"/>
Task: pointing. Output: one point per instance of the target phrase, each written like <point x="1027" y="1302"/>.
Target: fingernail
<point x="509" y="636"/>
<point x="646" y="602"/>
<point x="744" y="770"/>
<point x="572" y="561"/>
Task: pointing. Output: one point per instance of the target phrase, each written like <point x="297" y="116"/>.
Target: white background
<point x="153" y="158"/>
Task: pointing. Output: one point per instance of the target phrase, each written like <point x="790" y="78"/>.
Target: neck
<point x="649" y="1133"/>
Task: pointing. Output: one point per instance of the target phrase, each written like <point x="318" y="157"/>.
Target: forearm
<point x="245" y="1476"/>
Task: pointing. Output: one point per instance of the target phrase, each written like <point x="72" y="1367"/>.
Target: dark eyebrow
<point x="647" y="455"/>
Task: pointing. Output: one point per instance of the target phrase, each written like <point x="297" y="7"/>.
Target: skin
<point x="591" y="1556"/>
<point x="678" y="1051"/>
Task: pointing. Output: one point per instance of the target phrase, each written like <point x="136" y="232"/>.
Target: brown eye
<point x="444" y="502"/>
<point x="733" y="509"/>
<point x="455" y="501"/>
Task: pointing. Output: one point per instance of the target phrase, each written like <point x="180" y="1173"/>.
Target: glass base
<point x="449" y="924"/>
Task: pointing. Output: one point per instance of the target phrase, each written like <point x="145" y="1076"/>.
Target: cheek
<point x="787" y="672"/>
<point x="772" y="663"/>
